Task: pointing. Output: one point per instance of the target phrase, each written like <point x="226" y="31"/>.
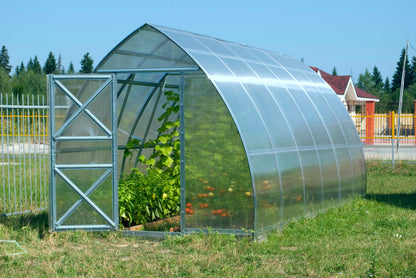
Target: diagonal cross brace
<point x="82" y="108"/>
<point x="80" y="200"/>
<point x="84" y="196"/>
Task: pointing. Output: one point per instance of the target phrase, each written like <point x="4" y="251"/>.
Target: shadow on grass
<point x="36" y="221"/>
<point x="403" y="200"/>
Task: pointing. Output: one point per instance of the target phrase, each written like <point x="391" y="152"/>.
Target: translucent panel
<point x="292" y="113"/>
<point x="280" y="132"/>
<point x="346" y="173"/>
<point x="65" y="197"/>
<point x="218" y="183"/>
<point x="350" y="131"/>
<point x="269" y="212"/>
<point x="83" y="125"/>
<point x="146" y="48"/>
<point x="329" y="119"/>
<point x="83" y="178"/>
<point x="292" y="183"/>
<point x="312" y="117"/>
<point x="253" y="130"/>
<point x="215" y="46"/>
<point x="313" y="181"/>
<point x="83" y="152"/>
<point x="359" y="169"/>
<point x="263" y="57"/>
<point x="85" y="215"/>
<point x="330" y="175"/>
<point x="212" y="65"/>
<point x="101" y="107"/>
<point x="64" y="108"/>
<point x="103" y="196"/>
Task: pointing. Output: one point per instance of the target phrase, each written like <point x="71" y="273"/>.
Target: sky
<point x="349" y="35"/>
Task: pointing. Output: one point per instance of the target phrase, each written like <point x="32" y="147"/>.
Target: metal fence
<point x="387" y="136"/>
<point x="24" y="154"/>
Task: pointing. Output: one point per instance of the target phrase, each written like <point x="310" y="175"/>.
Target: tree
<point x="397" y="76"/>
<point x="36" y="65"/>
<point x="86" y="64"/>
<point x="50" y="64"/>
<point x="366" y="83"/>
<point x="59" y="68"/>
<point x="412" y="73"/>
<point x="20" y="69"/>
<point x="376" y="76"/>
<point x="334" y="71"/>
<point x="29" y="65"/>
<point x="387" y="87"/>
<point x="5" y="85"/>
<point x="71" y="68"/>
<point x="4" y="59"/>
<point x="29" y="82"/>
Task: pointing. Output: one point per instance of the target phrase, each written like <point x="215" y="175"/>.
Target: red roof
<point x="362" y="93"/>
<point x="339" y="83"/>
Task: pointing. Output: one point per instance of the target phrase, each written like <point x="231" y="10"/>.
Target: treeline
<point x="388" y="93"/>
<point x="30" y="78"/>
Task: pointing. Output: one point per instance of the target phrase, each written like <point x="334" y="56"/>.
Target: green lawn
<point x="374" y="236"/>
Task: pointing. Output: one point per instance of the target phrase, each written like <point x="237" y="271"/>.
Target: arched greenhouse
<point x="263" y="139"/>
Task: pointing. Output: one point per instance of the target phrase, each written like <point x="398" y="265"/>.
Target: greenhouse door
<point x="83" y="127"/>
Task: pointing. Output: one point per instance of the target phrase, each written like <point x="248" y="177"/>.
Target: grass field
<point x="374" y="236"/>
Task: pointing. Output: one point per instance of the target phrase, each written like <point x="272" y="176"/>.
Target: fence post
<point x="369" y="122"/>
<point x="414" y="122"/>
<point x="392" y="138"/>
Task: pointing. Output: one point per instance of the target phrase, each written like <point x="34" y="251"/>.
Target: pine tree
<point x="334" y="71"/>
<point x="412" y="72"/>
<point x="71" y="68"/>
<point x="397" y="76"/>
<point x="86" y="64"/>
<point x="50" y="64"/>
<point x="30" y="65"/>
<point x="59" y="68"/>
<point x="376" y="76"/>
<point x="387" y="87"/>
<point x="4" y="59"/>
<point x="20" y="69"/>
<point x="36" y="65"/>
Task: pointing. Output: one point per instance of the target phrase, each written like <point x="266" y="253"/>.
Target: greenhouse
<point x="256" y="138"/>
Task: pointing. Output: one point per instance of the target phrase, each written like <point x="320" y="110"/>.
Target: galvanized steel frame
<point x="110" y="81"/>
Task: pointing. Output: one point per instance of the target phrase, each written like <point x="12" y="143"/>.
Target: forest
<point x="30" y="79"/>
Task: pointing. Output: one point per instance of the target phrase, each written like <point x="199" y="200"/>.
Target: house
<point x="350" y="95"/>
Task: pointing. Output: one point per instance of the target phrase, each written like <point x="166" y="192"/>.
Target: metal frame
<point x="110" y="81"/>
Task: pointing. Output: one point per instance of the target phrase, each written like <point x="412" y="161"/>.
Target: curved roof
<point x="291" y="123"/>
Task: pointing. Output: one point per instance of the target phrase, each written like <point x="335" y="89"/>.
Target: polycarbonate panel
<point x="269" y="198"/>
<point x="314" y="187"/>
<point x="218" y="183"/>
<point x="292" y="184"/>
<point x="83" y="152"/>
<point x="65" y="197"/>
<point x="84" y="215"/>
<point x="146" y="48"/>
<point x="346" y="173"/>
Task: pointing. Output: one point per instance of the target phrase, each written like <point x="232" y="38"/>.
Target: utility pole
<point x="401" y="93"/>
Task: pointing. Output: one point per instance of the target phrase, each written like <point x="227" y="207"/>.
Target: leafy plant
<point x="155" y="194"/>
<point x="147" y="197"/>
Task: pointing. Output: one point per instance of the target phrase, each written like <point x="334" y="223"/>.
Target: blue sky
<point x="350" y="35"/>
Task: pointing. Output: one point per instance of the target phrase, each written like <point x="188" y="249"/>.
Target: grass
<point x="374" y="236"/>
